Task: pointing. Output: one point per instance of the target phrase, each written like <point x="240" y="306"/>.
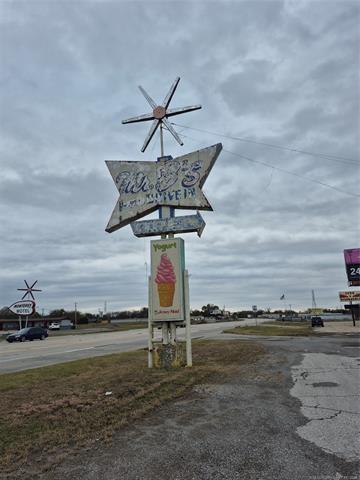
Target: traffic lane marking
<point x="43" y="361"/>
<point x="96" y="339"/>
<point x="61" y="352"/>
<point x="45" y="355"/>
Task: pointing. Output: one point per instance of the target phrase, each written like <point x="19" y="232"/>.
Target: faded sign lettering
<point x="145" y="186"/>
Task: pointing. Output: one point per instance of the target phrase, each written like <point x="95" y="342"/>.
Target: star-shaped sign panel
<point x="146" y="186"/>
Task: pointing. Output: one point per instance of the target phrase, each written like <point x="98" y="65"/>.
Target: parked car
<point x="317" y="322"/>
<point x="29" y="333"/>
<point x="54" y="326"/>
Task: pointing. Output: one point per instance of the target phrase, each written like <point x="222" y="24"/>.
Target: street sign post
<point x="164" y="185"/>
<point x="350" y="296"/>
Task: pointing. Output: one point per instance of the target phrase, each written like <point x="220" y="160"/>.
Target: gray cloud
<point x="277" y="72"/>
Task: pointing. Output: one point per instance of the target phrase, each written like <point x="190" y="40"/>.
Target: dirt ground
<point x="339" y="327"/>
<point x="238" y="428"/>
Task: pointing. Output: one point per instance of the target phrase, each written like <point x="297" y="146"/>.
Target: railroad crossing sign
<point x="28" y="290"/>
<point x="160" y="114"/>
<point x="146" y="186"/>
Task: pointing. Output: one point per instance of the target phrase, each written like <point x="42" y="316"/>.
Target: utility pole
<point x="105" y="311"/>
<point x="313" y="299"/>
<point x="75" y="316"/>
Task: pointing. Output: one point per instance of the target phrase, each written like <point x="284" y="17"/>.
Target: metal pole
<point x="164" y="212"/>
<point x="161" y="140"/>
<point x="187" y="320"/>
<point x="352" y="313"/>
<point x="172" y="333"/>
<point x="150" y="327"/>
<point x="75" y="316"/>
<point x="26" y="321"/>
<point x="165" y="333"/>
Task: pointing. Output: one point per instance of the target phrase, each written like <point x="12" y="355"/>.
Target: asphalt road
<point x="294" y="415"/>
<point x="18" y="356"/>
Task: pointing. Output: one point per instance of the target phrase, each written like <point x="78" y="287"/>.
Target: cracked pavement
<point x="328" y="388"/>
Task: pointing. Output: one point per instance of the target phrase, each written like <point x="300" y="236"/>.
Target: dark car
<point x="29" y="333"/>
<point x="317" y="322"/>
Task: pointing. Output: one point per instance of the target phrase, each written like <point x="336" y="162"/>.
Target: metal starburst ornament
<point x="160" y="115"/>
<point x="29" y="290"/>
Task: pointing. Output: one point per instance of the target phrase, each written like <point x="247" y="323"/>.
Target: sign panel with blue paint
<point x="162" y="226"/>
<point x="146" y="186"/>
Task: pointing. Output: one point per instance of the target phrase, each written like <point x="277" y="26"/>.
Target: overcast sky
<point x="284" y="73"/>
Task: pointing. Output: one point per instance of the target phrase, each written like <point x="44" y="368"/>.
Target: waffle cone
<point x="166" y="294"/>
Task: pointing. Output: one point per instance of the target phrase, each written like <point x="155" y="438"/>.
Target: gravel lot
<point x="246" y="428"/>
<point x="339" y="327"/>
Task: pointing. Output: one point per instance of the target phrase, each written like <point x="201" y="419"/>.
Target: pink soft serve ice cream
<point x="165" y="271"/>
<point x="165" y="280"/>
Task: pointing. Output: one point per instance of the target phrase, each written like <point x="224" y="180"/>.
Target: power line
<point x="325" y="156"/>
<point x="283" y="170"/>
<point x="293" y="173"/>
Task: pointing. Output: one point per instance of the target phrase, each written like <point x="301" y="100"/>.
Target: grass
<point x="275" y="329"/>
<point x="83" y="329"/>
<point x="50" y="412"/>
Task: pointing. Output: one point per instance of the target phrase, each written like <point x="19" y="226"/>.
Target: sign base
<point x="169" y="356"/>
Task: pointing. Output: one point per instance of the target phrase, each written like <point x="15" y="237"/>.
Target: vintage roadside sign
<point x="162" y="226"/>
<point x="349" y="296"/>
<point x="146" y="186"/>
<point x="352" y="264"/>
<point x="167" y="279"/>
<point x="23" y="307"/>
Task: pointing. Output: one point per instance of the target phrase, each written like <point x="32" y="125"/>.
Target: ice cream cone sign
<point x="167" y="270"/>
<point x="165" y="280"/>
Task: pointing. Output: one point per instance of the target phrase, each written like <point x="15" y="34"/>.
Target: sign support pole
<point x="172" y="333"/>
<point x="187" y="319"/>
<point x="150" y="328"/>
<point x="352" y="313"/>
<point x="161" y="140"/>
<point x="168" y="329"/>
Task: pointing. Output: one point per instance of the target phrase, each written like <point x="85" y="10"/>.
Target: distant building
<point x="14" y="324"/>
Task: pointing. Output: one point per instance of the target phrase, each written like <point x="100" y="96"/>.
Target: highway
<point x="18" y="356"/>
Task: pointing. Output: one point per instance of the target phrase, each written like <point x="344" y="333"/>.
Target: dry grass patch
<point x="55" y="410"/>
<point x="275" y="329"/>
<point x="86" y="329"/>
